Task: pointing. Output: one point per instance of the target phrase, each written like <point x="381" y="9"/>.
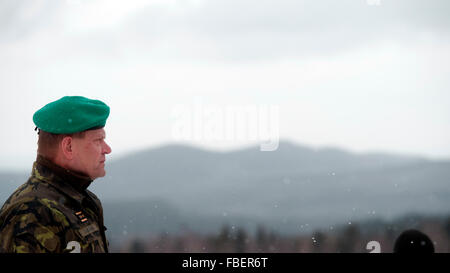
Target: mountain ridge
<point x="284" y="189"/>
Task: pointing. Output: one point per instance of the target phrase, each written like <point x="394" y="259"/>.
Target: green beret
<point x="71" y="114"/>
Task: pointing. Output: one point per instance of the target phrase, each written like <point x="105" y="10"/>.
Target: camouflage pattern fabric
<point x="53" y="212"/>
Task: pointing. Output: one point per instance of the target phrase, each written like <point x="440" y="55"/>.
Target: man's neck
<point x="76" y="178"/>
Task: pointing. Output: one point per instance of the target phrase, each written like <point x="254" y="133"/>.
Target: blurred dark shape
<point x="318" y="242"/>
<point x="447" y="231"/>
<point x="262" y="239"/>
<point x="413" y="241"/>
<point x="137" y="246"/>
<point x="221" y="243"/>
<point x="240" y="241"/>
<point x="349" y="239"/>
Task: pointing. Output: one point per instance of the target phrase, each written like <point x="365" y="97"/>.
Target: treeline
<point x="348" y="238"/>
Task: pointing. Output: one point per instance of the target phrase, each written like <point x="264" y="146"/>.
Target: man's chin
<point x="99" y="174"/>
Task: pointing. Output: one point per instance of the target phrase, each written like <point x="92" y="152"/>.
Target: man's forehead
<point x="96" y="133"/>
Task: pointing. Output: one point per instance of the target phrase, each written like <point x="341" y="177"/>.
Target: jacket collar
<point x="70" y="182"/>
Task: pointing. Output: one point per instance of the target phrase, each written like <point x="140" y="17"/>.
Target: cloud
<point x="263" y="29"/>
<point x="20" y="19"/>
<point x="223" y="30"/>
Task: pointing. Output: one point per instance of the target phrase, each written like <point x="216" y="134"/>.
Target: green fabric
<point x="71" y="114"/>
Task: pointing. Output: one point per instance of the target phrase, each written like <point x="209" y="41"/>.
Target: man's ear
<point x="66" y="147"/>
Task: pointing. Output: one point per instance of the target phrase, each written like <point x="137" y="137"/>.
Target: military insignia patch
<point x="81" y="216"/>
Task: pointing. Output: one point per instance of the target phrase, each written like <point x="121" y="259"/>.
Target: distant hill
<point x="291" y="189"/>
<point x="10" y="181"/>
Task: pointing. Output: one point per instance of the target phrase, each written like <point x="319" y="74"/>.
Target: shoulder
<point x="29" y="212"/>
<point x="30" y="189"/>
<point x="33" y="202"/>
<point x="32" y="195"/>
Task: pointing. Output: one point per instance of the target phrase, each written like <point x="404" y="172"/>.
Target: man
<point x="53" y="211"/>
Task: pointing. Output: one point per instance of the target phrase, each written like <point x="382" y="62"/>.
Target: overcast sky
<point x="362" y="75"/>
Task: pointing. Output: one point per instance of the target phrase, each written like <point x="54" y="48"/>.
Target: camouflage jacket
<point x="52" y="212"/>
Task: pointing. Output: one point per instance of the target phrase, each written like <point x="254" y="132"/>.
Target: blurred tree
<point x="137" y="246"/>
<point x="389" y="236"/>
<point x="221" y="242"/>
<point x="240" y="241"/>
<point x="318" y="242"/>
<point x="161" y="242"/>
<point x="261" y="239"/>
<point x="225" y="233"/>
<point x="447" y="232"/>
<point x="272" y="241"/>
<point x="348" y="239"/>
<point x="179" y="245"/>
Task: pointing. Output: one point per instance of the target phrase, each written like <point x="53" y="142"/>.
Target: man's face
<point x="89" y="153"/>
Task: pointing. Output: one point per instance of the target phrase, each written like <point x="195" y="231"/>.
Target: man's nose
<point x="107" y="149"/>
